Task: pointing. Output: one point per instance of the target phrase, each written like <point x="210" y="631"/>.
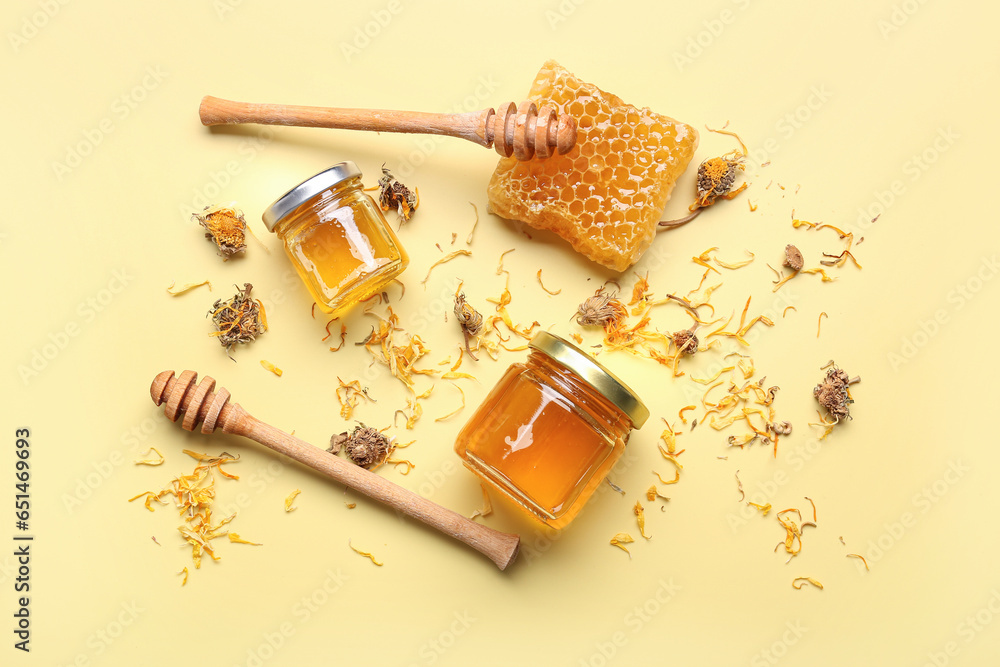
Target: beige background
<point x="884" y="106"/>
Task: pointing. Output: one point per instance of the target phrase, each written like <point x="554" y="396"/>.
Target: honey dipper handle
<point x="216" y="111"/>
<point x="499" y="547"/>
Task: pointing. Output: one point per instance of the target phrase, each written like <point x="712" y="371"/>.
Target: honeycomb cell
<point x="606" y="195"/>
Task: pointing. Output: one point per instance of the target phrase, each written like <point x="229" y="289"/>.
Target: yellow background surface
<point x="860" y="108"/>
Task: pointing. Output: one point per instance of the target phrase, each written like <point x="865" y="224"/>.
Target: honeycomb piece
<point x="607" y="194"/>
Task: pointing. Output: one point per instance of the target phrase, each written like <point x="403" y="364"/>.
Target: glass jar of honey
<point x="551" y="429"/>
<point x="337" y="238"/>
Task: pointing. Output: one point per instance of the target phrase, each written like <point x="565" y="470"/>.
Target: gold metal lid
<point x="594" y="374"/>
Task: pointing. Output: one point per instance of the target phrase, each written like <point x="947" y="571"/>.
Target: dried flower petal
<point x="547" y="290"/>
<point x="186" y="287"/>
<point x="363" y="553"/>
<point x="858" y="556"/>
<point x="640" y="518"/>
<point x="151" y="461"/>
<point x="487" y="504"/>
<point x="620" y="540"/>
<point x="799" y="582"/>
<point x="290" y="500"/>
<point x="447" y="258"/>
<point x="271" y="367"/>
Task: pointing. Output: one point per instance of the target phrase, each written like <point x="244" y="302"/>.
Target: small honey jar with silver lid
<point x="336" y="238"/>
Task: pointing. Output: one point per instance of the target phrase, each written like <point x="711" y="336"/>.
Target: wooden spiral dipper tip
<point x="201" y="403"/>
<point x="522" y="131"/>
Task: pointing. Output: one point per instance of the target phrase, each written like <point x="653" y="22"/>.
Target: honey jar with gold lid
<point x="336" y="238"/>
<point x="551" y="429"/>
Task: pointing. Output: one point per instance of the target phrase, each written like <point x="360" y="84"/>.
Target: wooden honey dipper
<point x="523" y="131"/>
<point x="211" y="407"/>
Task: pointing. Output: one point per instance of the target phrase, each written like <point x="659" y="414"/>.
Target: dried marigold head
<point x="793" y="258"/>
<point x="467" y="316"/>
<point x="601" y="310"/>
<point x="366" y="446"/>
<point x="716" y="177"/>
<point x="238" y="320"/>
<point x="393" y="194"/>
<point x="686" y="341"/>
<point x="833" y="393"/>
<point x="226" y="227"/>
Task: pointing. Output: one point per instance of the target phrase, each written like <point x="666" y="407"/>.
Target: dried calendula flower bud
<point x="601" y="310"/>
<point x="239" y="320"/>
<point x="393" y="194"/>
<point x="469" y="318"/>
<point x="226" y="227"/>
<point x="716" y="177"/>
<point x="833" y="392"/>
<point x="793" y="258"/>
<point x="366" y="446"/>
<point x="686" y="341"/>
<point x="780" y="428"/>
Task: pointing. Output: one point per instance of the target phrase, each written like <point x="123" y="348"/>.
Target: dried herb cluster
<point x="365" y="446"/>
<point x="239" y="320"/>
<point x="834" y="393"/>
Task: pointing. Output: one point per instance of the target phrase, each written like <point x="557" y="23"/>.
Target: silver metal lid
<point x="594" y="374"/>
<point x="306" y="190"/>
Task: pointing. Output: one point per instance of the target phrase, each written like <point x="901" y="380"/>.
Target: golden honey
<point x="337" y="238"/>
<point x="551" y="429"/>
<point x="607" y="194"/>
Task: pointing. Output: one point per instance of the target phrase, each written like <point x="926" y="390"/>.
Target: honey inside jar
<point x="337" y="238"/>
<point x="546" y="436"/>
